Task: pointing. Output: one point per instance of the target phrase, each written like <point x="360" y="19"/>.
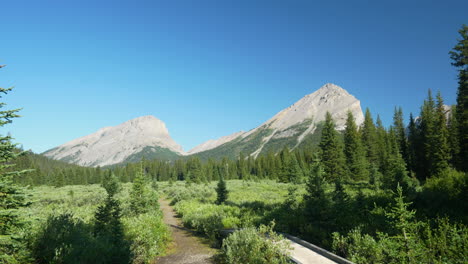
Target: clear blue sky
<point x="211" y="68"/>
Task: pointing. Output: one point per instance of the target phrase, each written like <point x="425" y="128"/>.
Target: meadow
<point x="354" y="220"/>
<point x="62" y="220"/>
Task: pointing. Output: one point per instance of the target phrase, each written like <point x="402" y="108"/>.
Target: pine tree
<point x="413" y="144"/>
<point x="316" y="182"/>
<point x="384" y="147"/>
<point x="354" y="151"/>
<point x="242" y="167"/>
<point x="427" y="126"/>
<point x="141" y="196"/>
<point x="369" y="138"/>
<point x="453" y="137"/>
<point x="291" y="171"/>
<point x="440" y="152"/>
<point x="107" y="216"/>
<point x="400" y="134"/>
<point x="11" y="196"/>
<point x="331" y="151"/>
<point x="459" y="56"/>
<point x="111" y="184"/>
<point x="194" y="170"/>
<point x="221" y="191"/>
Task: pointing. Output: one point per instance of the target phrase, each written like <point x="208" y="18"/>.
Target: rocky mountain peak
<point x="111" y="145"/>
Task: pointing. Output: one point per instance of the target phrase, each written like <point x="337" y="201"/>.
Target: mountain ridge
<point x="148" y="137"/>
<point x="301" y="118"/>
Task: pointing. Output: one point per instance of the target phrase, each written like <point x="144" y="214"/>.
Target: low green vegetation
<point x="86" y="224"/>
<point x="256" y="246"/>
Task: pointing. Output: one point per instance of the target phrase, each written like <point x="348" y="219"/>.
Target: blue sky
<point x="211" y="68"/>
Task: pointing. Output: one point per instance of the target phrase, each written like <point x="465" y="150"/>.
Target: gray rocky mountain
<point x="144" y="136"/>
<point x="291" y="127"/>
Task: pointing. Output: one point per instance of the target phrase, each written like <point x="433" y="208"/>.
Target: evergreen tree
<point x="221" y="191"/>
<point x="316" y="182"/>
<point x="108" y="227"/>
<point x="242" y="167"/>
<point x="459" y="56"/>
<point x="332" y="150"/>
<point x="111" y="184"/>
<point x="107" y="217"/>
<point x="369" y="138"/>
<point x="400" y="134"/>
<point x="354" y="151"/>
<point x="384" y="146"/>
<point x="413" y="144"/>
<point x="11" y="196"/>
<point x="453" y="137"/>
<point x="194" y="170"/>
<point x="440" y="150"/>
<point x="141" y="196"/>
<point x="291" y="171"/>
<point x="427" y="126"/>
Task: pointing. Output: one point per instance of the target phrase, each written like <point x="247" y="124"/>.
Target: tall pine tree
<point x="459" y="56"/>
<point x="440" y="151"/>
<point x="11" y="196"/>
<point x="354" y="151"/>
<point x="369" y="138"/>
<point x="400" y="134"/>
<point x="331" y="151"/>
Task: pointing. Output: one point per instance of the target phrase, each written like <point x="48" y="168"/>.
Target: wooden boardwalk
<point x="304" y="252"/>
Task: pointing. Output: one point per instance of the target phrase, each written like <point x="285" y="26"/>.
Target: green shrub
<point x="202" y="193"/>
<point x="66" y="239"/>
<point x="255" y="246"/>
<point x="208" y="218"/>
<point x="148" y="235"/>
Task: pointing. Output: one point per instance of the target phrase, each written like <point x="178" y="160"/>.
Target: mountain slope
<point x="292" y="126"/>
<point x="144" y="136"/>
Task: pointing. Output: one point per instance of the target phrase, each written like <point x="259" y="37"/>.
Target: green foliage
<point x="148" y="235"/>
<point x="221" y="191"/>
<point x="65" y="239"/>
<point x="459" y="56"/>
<point x="208" y="219"/>
<point x="369" y="138"/>
<point x="354" y="152"/>
<point x="11" y="196"/>
<point x="98" y="228"/>
<point x="179" y="192"/>
<point x="142" y="197"/>
<point x="255" y="246"/>
<point x="411" y="241"/>
<point x="445" y="195"/>
<point x="331" y="151"/>
<point x="111" y="184"/>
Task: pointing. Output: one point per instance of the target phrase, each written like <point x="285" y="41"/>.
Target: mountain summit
<point x="143" y="136"/>
<point x="292" y="126"/>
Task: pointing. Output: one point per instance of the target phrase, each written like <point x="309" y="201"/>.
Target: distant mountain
<point x="147" y="137"/>
<point x="294" y="126"/>
<point x="141" y="137"/>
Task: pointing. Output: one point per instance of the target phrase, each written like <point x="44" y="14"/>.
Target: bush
<point x="197" y="192"/>
<point x="65" y="239"/>
<point x="411" y="241"/>
<point x="255" y="246"/>
<point x="446" y="195"/>
<point x="149" y="236"/>
<point x="208" y="219"/>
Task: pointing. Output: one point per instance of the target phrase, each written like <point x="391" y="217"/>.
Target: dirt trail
<point x="186" y="247"/>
